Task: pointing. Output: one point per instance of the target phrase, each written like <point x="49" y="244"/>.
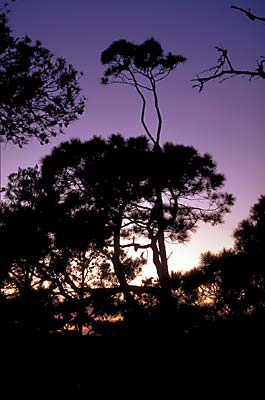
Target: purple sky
<point x="227" y="120"/>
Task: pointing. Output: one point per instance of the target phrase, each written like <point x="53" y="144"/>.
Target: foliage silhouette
<point x="66" y="231"/>
<point x="24" y="239"/>
<point x="141" y="66"/>
<point x="50" y="288"/>
<point x="33" y="265"/>
<point x="27" y="306"/>
<point x="249" y="235"/>
<point x="232" y="282"/>
<point x="40" y="94"/>
<point x="224" y="69"/>
<point x="93" y="175"/>
<point x="102" y="175"/>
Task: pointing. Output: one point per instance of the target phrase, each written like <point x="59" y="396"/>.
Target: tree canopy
<point x="233" y="281"/>
<point x="141" y="66"/>
<point x="64" y="242"/>
<point x="117" y="180"/>
<point x="250" y="233"/>
<point x="39" y="94"/>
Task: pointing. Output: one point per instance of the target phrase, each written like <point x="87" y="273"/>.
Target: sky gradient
<point x="226" y="120"/>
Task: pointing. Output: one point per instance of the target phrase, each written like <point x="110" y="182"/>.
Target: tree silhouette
<point x="232" y="282"/>
<point x="141" y="66"/>
<point x="104" y="176"/>
<point x="222" y="279"/>
<point x="224" y="69"/>
<point x="53" y="254"/>
<point x="22" y="237"/>
<point x="25" y="244"/>
<point x="98" y="178"/>
<point x="250" y="241"/>
<point x="58" y="230"/>
<point x="40" y="94"/>
<point x="250" y="233"/>
<point x="190" y="190"/>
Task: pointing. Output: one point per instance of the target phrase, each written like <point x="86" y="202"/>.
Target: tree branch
<point x="220" y="71"/>
<point x="202" y="80"/>
<point x="135" y="245"/>
<point x="143" y="108"/>
<point x="249" y="14"/>
<point x="158" y="113"/>
<point x="129" y="83"/>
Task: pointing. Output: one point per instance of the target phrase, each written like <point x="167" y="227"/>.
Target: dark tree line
<point x="59" y="267"/>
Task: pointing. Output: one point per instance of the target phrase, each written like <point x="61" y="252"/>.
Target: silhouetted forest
<point x="62" y="270"/>
<point x="74" y="230"/>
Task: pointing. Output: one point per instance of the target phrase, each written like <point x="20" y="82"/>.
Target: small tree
<point x="141" y="66"/>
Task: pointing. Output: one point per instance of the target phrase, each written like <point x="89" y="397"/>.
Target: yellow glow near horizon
<point x="183" y="257"/>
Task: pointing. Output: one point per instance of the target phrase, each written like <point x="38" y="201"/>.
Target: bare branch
<point x="220" y="70"/>
<point x="164" y="76"/>
<point x="136" y="245"/>
<point x="249" y="14"/>
<point x="202" y="80"/>
<point x="129" y="83"/>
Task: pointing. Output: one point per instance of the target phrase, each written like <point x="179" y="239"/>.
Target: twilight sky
<point x="227" y="120"/>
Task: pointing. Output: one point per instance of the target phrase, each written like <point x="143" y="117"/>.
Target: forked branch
<point x="224" y="69"/>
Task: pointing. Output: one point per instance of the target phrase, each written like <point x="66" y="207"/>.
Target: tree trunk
<point x="158" y="245"/>
<point x="161" y="237"/>
<point x="162" y="270"/>
<point x="81" y="306"/>
<point x="118" y="268"/>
